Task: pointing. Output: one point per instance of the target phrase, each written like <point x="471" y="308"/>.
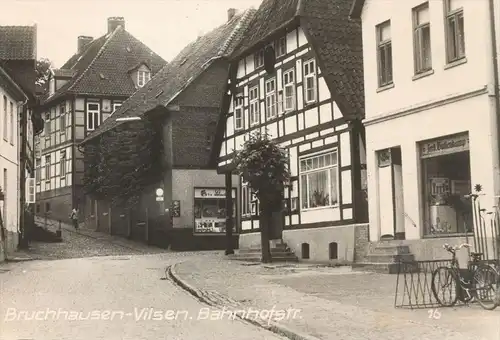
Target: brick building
<point x="186" y="98"/>
<point x="83" y="93"/>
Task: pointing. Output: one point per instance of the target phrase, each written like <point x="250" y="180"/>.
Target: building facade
<point x="83" y="93"/>
<point x="289" y="81"/>
<point x="431" y="118"/>
<point x="184" y="99"/>
<point x="17" y="128"/>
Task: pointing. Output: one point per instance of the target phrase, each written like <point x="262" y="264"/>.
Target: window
<point x="142" y="78"/>
<point x="38" y="171"/>
<point x="259" y="58"/>
<point x="310" y="81"/>
<point x="280" y="47"/>
<point x="238" y="114"/>
<point x="271" y="107"/>
<point x="254" y="106"/>
<point x="62" y="119"/>
<point x="319" y="180"/>
<point x="93" y="116"/>
<point x="47" y="168"/>
<point x="5" y="118"/>
<point x="422" y="38"/>
<point x="384" y="54"/>
<point x="63" y="164"/>
<point x="249" y="201"/>
<point x="289" y="90"/>
<point x="455" y="41"/>
<point x="12" y="123"/>
<point x="116" y="106"/>
<point x="47" y="127"/>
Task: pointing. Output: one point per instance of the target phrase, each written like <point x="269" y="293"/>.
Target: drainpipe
<point x="495" y="76"/>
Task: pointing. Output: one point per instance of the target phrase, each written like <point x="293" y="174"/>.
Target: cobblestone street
<point x="85" y="243"/>
<point x="337" y="303"/>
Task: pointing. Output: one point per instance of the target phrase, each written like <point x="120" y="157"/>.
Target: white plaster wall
<point x="474" y="73"/>
<point x="472" y="115"/>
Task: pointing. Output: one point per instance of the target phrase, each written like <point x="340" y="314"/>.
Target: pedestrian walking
<point x="74" y="218"/>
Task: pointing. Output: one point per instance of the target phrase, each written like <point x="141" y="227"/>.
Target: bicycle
<point x="472" y="283"/>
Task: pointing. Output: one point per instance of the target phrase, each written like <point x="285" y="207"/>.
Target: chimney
<point x="83" y="41"/>
<point x="231" y="13"/>
<point x="114" y="22"/>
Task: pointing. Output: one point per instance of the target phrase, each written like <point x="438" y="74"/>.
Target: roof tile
<point x="172" y="79"/>
<point x="18" y="42"/>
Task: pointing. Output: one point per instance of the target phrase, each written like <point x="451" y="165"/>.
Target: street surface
<point x="117" y="297"/>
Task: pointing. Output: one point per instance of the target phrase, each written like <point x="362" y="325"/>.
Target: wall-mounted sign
<point x="445" y="146"/>
<point x="211" y="192"/>
<point x="176" y="208"/>
<point x="159" y="195"/>
<point x="384" y="158"/>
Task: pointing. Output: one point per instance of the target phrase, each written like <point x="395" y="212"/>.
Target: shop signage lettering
<point x="211" y="192"/>
<point x="445" y="146"/>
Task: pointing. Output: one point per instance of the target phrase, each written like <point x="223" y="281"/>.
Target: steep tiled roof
<point x="335" y="39"/>
<point x="102" y="68"/>
<point x="18" y="42"/>
<point x="182" y="71"/>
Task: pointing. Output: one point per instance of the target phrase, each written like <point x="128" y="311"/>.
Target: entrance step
<point x="388" y="257"/>
<point x="279" y="253"/>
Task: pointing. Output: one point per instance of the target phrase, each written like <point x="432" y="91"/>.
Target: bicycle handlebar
<point x="452" y="249"/>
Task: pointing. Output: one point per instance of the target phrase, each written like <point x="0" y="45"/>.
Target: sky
<point x="165" y="26"/>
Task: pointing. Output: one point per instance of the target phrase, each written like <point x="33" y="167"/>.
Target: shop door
<point x="390" y="181"/>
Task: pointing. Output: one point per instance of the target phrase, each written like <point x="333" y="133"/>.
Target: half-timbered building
<point x="298" y="76"/>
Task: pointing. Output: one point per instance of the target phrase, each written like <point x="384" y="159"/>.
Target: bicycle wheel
<point x="444" y="286"/>
<point x="485" y="285"/>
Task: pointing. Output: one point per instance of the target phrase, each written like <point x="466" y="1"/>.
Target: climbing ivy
<point x="122" y="162"/>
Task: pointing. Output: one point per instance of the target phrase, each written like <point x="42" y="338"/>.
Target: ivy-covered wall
<point x="122" y="162"/>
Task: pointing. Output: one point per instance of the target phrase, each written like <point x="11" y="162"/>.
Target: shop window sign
<point x="210" y="210"/>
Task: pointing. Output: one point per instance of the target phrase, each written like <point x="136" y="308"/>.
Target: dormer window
<point x="143" y="77"/>
<point x="259" y="58"/>
<point x="52" y="86"/>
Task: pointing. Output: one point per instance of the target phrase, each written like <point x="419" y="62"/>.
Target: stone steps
<point x="388" y="257"/>
<point x="279" y="253"/>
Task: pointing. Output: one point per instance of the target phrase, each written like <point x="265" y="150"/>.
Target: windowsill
<point x="443" y="235"/>
<point x="385" y="87"/>
<point x="319" y="208"/>
<point x="254" y="125"/>
<point x="455" y="63"/>
<point x="238" y="129"/>
<point x="423" y="74"/>
<point x="310" y="103"/>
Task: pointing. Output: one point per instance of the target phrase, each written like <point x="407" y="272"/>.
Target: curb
<point x="19" y="259"/>
<point x="269" y="325"/>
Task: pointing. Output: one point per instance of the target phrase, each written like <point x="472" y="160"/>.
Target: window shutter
<point x="30" y="190"/>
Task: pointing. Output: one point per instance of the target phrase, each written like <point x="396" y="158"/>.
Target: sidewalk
<point x="334" y="303"/>
<point x="116" y="240"/>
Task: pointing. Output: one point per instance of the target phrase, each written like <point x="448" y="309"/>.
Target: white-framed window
<point x="271" y="100"/>
<point x="238" y="114"/>
<point x="249" y="201"/>
<point x="38" y="169"/>
<point x="254" y="114"/>
<point x="280" y="47"/>
<point x="289" y="90"/>
<point x="310" y="81"/>
<point x="47" y="168"/>
<point x="384" y="53"/>
<point x="13" y="123"/>
<point x="422" y="38"/>
<point x="93" y="116"/>
<point x="258" y="58"/>
<point x="116" y="106"/>
<point x="454" y="30"/>
<point x="62" y="119"/>
<point x="319" y="180"/>
<point x="63" y="163"/>
<point x="143" y="77"/>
